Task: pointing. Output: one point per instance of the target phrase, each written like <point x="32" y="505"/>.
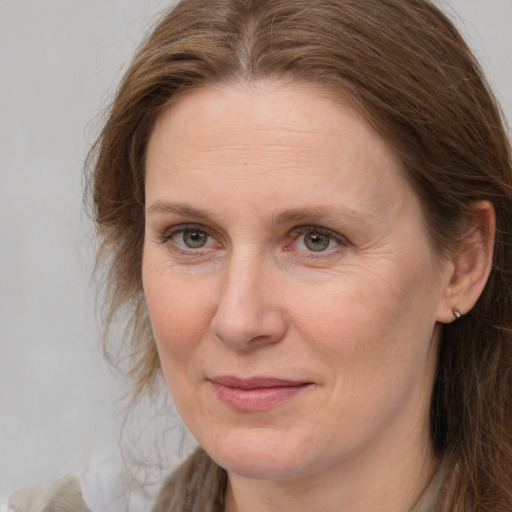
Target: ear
<point x="471" y="265"/>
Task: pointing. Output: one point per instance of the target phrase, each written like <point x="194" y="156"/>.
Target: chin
<point x="264" y="454"/>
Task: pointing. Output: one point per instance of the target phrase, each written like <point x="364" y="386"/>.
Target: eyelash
<point x="295" y="233"/>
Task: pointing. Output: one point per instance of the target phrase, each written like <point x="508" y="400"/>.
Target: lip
<point x="256" y="393"/>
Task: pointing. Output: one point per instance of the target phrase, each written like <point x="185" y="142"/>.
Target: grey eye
<point x="194" y="239"/>
<point x="317" y="242"/>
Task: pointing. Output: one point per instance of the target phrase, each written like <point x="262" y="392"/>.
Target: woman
<point x="307" y="207"/>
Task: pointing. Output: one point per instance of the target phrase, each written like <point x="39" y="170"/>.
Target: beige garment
<point x="65" y="495"/>
<point x="198" y="485"/>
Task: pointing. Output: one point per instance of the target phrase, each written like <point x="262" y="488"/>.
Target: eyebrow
<point x="312" y="214"/>
<point x="322" y="213"/>
<point x="182" y="209"/>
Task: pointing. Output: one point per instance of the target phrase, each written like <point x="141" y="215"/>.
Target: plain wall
<point x="59" y="61"/>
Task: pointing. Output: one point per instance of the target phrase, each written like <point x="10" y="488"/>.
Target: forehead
<point x="275" y="139"/>
<point x="266" y="113"/>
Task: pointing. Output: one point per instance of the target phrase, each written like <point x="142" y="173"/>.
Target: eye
<point x="192" y="238"/>
<point x="188" y="238"/>
<point x="317" y="240"/>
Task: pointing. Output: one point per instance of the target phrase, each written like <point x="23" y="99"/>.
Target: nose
<point x="248" y="314"/>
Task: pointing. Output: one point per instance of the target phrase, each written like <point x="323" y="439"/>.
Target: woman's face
<point x="290" y="281"/>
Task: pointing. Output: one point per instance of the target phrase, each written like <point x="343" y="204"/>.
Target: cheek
<point x="374" y="351"/>
<point x="180" y="313"/>
<point x="370" y="328"/>
<point x="345" y="318"/>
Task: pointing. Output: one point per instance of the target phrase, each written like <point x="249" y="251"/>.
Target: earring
<point x="456" y="313"/>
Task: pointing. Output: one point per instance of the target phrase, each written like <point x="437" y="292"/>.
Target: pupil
<point x="317" y="241"/>
<point x="194" y="239"/>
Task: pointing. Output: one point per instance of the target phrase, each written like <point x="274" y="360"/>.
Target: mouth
<point x="257" y="393"/>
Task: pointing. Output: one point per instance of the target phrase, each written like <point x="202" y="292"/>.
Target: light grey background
<point x="59" y="61"/>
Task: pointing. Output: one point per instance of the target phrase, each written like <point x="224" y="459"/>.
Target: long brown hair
<point x="409" y="72"/>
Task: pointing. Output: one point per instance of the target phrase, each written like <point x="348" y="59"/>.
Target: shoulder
<point x="64" y="495"/>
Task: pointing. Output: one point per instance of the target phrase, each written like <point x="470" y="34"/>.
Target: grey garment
<point x="198" y="485"/>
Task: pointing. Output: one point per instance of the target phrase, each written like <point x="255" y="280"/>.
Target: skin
<point x="254" y="172"/>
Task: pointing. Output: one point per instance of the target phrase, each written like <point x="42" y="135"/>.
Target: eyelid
<point x="170" y="231"/>
<point x="301" y="230"/>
